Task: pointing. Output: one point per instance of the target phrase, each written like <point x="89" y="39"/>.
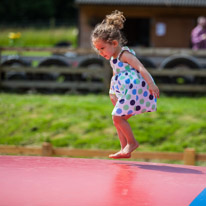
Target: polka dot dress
<point x="130" y="88"/>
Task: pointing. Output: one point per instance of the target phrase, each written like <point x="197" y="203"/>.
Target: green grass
<point x="33" y="37"/>
<point x="85" y="122"/>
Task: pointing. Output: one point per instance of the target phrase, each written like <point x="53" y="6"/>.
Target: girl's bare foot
<point x="119" y="155"/>
<point x="130" y="148"/>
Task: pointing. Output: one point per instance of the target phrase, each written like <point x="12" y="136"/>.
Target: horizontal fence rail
<point x="189" y="156"/>
<point x="140" y="51"/>
<point x="103" y="75"/>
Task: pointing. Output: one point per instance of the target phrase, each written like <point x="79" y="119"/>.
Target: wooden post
<point x="0" y="68"/>
<point x="47" y="149"/>
<point x="107" y="76"/>
<point x="189" y="156"/>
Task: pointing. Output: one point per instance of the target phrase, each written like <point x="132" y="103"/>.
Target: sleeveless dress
<point x="130" y="88"/>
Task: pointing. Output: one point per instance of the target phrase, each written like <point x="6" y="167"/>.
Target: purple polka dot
<point x="138" y="108"/>
<point x="121" y="101"/>
<point x="151" y="97"/>
<point x="132" y="102"/>
<point x="131" y="86"/>
<point x="143" y="84"/>
<point x="116" y="77"/>
<point x="114" y="61"/>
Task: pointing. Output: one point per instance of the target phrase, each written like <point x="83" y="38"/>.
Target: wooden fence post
<point x="107" y="76"/>
<point x="189" y="156"/>
<point x="0" y="67"/>
<point x="47" y="149"/>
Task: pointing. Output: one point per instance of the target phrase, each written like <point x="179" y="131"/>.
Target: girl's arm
<point x="196" y="38"/>
<point x="129" y="58"/>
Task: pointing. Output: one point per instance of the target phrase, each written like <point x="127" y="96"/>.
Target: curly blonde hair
<point x="109" y="29"/>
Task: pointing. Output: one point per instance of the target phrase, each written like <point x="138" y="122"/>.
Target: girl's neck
<point x="118" y="50"/>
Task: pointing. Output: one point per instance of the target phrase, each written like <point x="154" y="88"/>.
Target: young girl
<point x="132" y="90"/>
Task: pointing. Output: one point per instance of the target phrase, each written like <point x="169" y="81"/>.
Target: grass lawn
<point x="84" y="121"/>
<point x="34" y="37"/>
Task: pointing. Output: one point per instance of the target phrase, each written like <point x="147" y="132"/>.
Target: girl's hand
<point x="113" y="98"/>
<point x="154" y="90"/>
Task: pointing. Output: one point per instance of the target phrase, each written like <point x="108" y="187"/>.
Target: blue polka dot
<point x="155" y="99"/>
<point x="127" y="81"/>
<point x="137" y="98"/>
<point x="120" y="64"/>
<point x="145" y="93"/>
<point x="114" y="61"/>
<point x="136" y="81"/>
<point x="134" y="91"/>
<point x="119" y="82"/>
<point x="119" y="111"/>
<point x="129" y="112"/>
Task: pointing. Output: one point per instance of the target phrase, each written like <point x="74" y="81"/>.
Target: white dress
<point x="130" y="88"/>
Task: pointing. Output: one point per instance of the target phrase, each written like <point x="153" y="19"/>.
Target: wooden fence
<point x="102" y="74"/>
<point x="189" y="156"/>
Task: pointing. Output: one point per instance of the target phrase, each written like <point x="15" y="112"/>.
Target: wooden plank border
<point x="189" y="156"/>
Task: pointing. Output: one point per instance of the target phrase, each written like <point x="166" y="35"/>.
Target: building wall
<point x="178" y="22"/>
<point x="171" y="32"/>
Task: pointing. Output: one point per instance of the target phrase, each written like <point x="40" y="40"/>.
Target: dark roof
<point x="185" y="3"/>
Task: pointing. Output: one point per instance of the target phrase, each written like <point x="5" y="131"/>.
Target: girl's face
<point x="107" y="50"/>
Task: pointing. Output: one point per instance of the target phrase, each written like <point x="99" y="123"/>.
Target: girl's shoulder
<point x="126" y="48"/>
<point x="126" y="53"/>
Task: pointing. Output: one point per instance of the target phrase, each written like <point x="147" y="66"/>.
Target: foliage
<point x="85" y="122"/>
<point x="28" y="11"/>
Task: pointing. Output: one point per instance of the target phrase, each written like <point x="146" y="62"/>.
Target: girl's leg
<point x="126" y="130"/>
<point x="123" y="143"/>
<point x="122" y="138"/>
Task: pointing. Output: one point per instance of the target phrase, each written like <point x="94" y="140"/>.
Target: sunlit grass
<point x="85" y="122"/>
<point x="34" y="37"/>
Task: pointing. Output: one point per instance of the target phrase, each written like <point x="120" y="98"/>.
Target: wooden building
<point x="150" y="23"/>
